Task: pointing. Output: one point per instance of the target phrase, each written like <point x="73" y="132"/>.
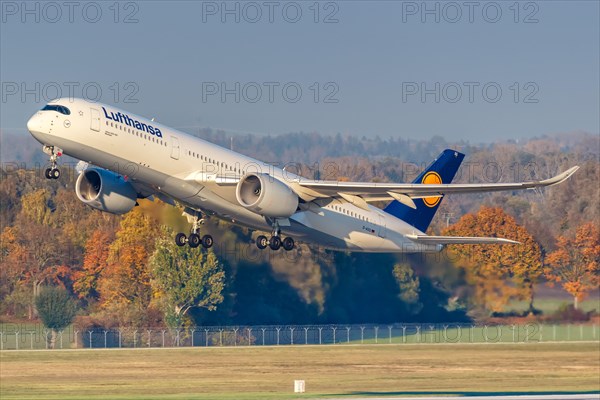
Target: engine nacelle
<point x="265" y="195"/>
<point x="105" y="191"/>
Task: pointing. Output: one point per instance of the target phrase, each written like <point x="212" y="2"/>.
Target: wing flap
<point x="356" y="200"/>
<point x="404" y="199"/>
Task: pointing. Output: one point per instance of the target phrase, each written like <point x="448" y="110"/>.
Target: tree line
<point x="126" y="270"/>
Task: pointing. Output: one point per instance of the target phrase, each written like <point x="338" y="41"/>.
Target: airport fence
<point x="35" y="336"/>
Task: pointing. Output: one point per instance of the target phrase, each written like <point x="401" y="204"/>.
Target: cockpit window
<point x="55" y="107"/>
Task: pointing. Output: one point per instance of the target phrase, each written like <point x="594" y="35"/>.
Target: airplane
<point x="126" y="157"/>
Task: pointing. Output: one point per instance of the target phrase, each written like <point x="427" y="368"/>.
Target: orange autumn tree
<point x="575" y="263"/>
<point x="32" y="252"/>
<point x="95" y="260"/>
<point x="124" y="284"/>
<point x="498" y="273"/>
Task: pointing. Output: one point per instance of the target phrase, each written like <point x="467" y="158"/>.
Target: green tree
<point x="55" y="308"/>
<point x="408" y="284"/>
<point x="36" y="206"/>
<point x="185" y="279"/>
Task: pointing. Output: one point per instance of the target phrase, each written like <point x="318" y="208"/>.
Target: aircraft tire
<point x="288" y="243"/>
<point x="194" y="240"/>
<point x="262" y="242"/>
<point x="180" y="239"/>
<point x="275" y="243"/>
<point x="207" y="241"/>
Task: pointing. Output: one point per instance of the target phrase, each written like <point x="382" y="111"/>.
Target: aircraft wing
<point x="459" y="240"/>
<point x="359" y="193"/>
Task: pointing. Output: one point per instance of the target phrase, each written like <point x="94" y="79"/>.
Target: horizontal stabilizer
<point x="459" y="240"/>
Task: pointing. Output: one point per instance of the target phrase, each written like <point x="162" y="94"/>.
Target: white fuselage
<point x="202" y="175"/>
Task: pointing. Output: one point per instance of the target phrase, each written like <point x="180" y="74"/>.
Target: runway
<point x="593" y="396"/>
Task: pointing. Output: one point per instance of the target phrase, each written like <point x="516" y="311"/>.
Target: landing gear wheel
<point x="207" y="241"/>
<point x="54" y="152"/>
<point x="180" y="239"/>
<point x="262" y="242"/>
<point x="288" y="243"/>
<point x="275" y="243"/>
<point x="194" y="240"/>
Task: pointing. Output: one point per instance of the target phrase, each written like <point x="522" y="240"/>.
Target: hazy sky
<point x="470" y="70"/>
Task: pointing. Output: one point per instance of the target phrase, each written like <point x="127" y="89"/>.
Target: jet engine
<point x="265" y="195"/>
<point x="105" y="191"/>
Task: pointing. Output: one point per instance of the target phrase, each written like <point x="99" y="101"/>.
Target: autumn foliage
<point x="498" y="273"/>
<point x="124" y="285"/>
<point x="94" y="262"/>
<point x="575" y="263"/>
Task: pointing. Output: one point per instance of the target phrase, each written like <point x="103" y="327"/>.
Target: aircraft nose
<point x="33" y="125"/>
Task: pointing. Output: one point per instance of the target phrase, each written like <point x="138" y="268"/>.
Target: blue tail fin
<point x="441" y="170"/>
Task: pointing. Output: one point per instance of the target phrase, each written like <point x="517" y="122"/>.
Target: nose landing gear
<point x="54" y="152"/>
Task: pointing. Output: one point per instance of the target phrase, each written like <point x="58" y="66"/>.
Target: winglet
<point x="560" y="177"/>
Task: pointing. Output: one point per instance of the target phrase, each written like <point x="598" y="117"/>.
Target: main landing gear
<point x="194" y="240"/>
<point x="275" y="242"/>
<point x="54" y="152"/>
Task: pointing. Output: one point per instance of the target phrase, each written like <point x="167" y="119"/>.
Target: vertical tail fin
<point x="441" y="170"/>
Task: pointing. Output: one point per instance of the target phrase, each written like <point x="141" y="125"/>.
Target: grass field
<point x="329" y="371"/>
<point x="549" y="305"/>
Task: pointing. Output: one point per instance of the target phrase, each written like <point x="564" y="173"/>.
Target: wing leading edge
<point x="381" y="191"/>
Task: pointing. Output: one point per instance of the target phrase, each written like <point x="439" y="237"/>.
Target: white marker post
<point x="299" y="386"/>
